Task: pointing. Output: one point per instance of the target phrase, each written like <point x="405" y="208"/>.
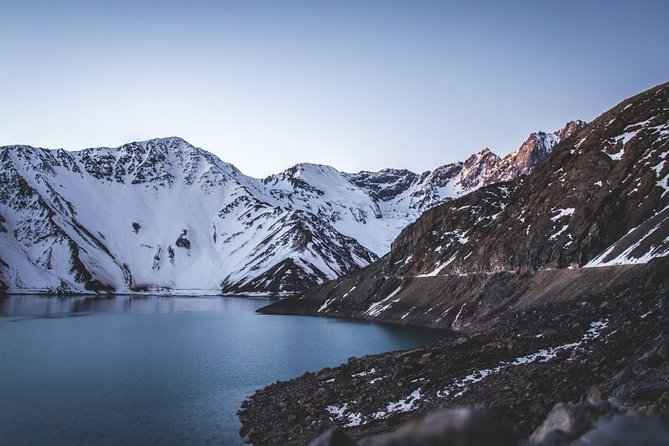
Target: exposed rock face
<point x="601" y="198"/>
<point x="164" y="216"/>
<point x="391" y="187"/>
<point x="387" y="184"/>
<point x="582" y="202"/>
<point x="182" y="241"/>
<point x="629" y="429"/>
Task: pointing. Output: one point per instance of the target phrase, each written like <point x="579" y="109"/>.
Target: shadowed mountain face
<point x="600" y="199"/>
<point x="164" y="216"/>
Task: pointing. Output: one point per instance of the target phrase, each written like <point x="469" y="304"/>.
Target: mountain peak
<point x="171" y="140"/>
<point x="164" y="144"/>
<point x="314" y="167"/>
<point x="483" y="156"/>
<point x="570" y="128"/>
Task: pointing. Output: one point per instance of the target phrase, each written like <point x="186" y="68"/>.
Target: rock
<point x="653" y="360"/>
<point x="639" y="369"/>
<point x="182" y="241"/>
<point x="425" y="358"/>
<point x="630" y="429"/>
<point x="629" y="393"/>
<point x="333" y="437"/>
<point x="594" y="394"/>
<point x="459" y="427"/>
<point x="327" y="374"/>
<point x="566" y="425"/>
<point x="568" y="421"/>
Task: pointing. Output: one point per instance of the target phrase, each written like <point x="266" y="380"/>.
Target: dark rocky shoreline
<point x="609" y="345"/>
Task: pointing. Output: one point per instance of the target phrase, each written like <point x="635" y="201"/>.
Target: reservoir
<point x="155" y="370"/>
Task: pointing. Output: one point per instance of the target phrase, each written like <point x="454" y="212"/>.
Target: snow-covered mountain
<point x="164" y="216"/>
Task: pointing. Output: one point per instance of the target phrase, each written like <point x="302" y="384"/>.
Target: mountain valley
<point x="162" y="216"/>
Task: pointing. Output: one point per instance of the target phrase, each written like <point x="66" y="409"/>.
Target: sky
<point x="358" y="85"/>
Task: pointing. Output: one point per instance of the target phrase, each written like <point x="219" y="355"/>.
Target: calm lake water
<point x="158" y="370"/>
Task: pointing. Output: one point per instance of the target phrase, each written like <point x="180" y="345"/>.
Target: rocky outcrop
<point x="449" y="428"/>
<point x="422" y="192"/>
<point x="386" y="184"/>
<point x="567" y="424"/>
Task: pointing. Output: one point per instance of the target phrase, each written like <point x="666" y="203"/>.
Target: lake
<point x="158" y="370"/>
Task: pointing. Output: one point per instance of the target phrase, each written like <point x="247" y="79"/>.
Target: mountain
<point x="600" y="199"/>
<point x="553" y="290"/>
<point x="164" y="216"/>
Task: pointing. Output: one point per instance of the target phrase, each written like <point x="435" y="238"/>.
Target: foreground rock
<point x="456" y="427"/>
<point x="576" y="424"/>
<point x="609" y="344"/>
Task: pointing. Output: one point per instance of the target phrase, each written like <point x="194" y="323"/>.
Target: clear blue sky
<point x="354" y="84"/>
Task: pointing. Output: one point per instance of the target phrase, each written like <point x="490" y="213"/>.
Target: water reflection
<point x="45" y="306"/>
<point x="155" y="369"/>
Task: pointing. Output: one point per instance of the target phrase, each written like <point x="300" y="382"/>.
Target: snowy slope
<point x="164" y="216"/>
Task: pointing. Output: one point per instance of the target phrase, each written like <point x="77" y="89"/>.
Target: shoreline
<point x="515" y="368"/>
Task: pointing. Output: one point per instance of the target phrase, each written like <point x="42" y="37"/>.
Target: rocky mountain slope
<point x="600" y="199"/>
<point x="608" y="348"/>
<point x="164" y="216"/>
<point x="554" y="288"/>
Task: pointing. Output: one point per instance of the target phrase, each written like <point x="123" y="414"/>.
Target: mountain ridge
<point x="188" y="222"/>
<point x="600" y="199"/>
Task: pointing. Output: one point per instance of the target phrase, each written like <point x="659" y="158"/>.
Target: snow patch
<point x="348" y="292"/>
<point x="442" y="314"/>
<point x="379" y="307"/>
<point x="558" y="233"/>
<point x="458" y="387"/>
<point x="568" y="212"/>
<point x="325" y="305"/>
<point x="337" y="411"/>
<point x="438" y="268"/>
<point x="626" y="257"/>
<point x="457" y="316"/>
<point x="365" y="373"/>
<point x="354" y="419"/>
<point x="404" y="405"/>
